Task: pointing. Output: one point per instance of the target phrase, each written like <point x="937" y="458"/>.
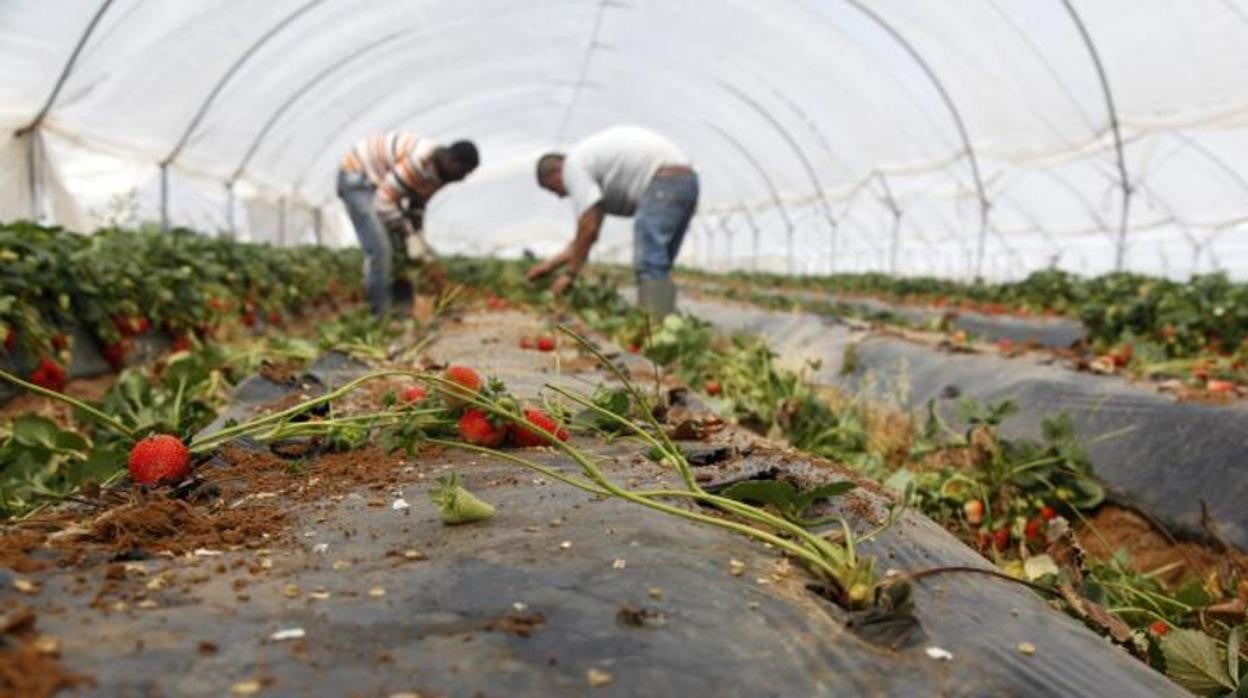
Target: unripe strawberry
<point x="974" y="512"/>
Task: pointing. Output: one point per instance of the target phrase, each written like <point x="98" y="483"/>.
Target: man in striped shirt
<point x="385" y="182"/>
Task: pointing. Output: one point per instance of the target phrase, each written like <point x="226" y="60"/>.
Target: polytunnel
<point x="987" y="138"/>
<point x="916" y="363"/>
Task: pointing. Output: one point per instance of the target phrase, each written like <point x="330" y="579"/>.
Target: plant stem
<point x="103" y="418"/>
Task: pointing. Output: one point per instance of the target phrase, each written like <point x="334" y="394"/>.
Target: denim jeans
<point x="357" y="195"/>
<point x="660" y="223"/>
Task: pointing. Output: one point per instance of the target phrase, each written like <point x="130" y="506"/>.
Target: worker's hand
<point x="541" y="269"/>
<point x="561" y="284"/>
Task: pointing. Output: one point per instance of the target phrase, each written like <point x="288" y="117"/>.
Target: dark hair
<point x="465" y="154"/>
<point x="545" y="163"/>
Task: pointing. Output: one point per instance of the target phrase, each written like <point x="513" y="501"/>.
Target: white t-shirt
<point x="615" y="166"/>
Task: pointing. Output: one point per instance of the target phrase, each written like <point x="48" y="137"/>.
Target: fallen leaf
<point x="598" y="677"/>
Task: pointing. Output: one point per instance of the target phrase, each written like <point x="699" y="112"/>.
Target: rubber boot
<point x="657" y="296"/>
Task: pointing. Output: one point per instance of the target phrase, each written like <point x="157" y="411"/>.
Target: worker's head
<point x="456" y="161"/>
<point x="550" y="173"/>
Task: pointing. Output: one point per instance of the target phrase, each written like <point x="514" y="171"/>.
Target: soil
<point x="1112" y="529"/>
<point x="163" y="524"/>
<point x="29" y="663"/>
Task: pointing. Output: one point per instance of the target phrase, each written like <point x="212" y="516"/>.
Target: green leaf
<point x="1233" y="642"/>
<point x="32" y="430"/>
<point x="777" y="493"/>
<point x="1195" y="662"/>
<point x="833" y="489"/>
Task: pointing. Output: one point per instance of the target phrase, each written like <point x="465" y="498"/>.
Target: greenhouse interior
<point x="493" y="348"/>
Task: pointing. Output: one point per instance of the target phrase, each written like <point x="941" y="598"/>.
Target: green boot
<point x="657" y="296"/>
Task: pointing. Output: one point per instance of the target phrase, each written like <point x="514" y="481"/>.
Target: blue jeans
<point x="357" y="195"/>
<point x="660" y="223"/>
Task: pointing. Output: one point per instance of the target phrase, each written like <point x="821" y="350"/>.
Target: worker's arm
<point x="574" y="256"/>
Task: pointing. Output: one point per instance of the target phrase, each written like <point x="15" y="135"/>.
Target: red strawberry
<point x="545" y="343"/>
<point x="115" y="353"/>
<point x="527" y="343"/>
<point x="1122" y="356"/>
<point x="1048" y="513"/>
<point x="476" y="428"/>
<point x="413" y="394"/>
<point x="468" y="381"/>
<point x="1001" y="538"/>
<point x="249" y="318"/>
<point x="122" y="323"/>
<point x="182" y="342"/>
<point x="160" y="458"/>
<point x="712" y="388"/>
<point x="10" y="338"/>
<point x="48" y="374"/>
<point x="974" y="511"/>
<point x="1034" y="529"/>
<point x="1158" y="628"/>
<point x="275" y="318"/>
<point x="140" y="324"/>
<point x="1220" y="387"/>
<point x="525" y="437"/>
<point x="634" y="349"/>
<point x="60" y="341"/>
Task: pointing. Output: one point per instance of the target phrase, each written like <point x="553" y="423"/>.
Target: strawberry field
<point x="501" y="491"/>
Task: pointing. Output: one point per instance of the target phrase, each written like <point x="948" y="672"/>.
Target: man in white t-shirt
<point x="624" y="171"/>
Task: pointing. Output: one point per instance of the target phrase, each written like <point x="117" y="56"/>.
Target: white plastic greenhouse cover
<point x="943" y="137"/>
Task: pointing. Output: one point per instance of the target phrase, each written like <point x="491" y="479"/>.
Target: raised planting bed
<point x="332" y="573"/>
<point x="1166" y="457"/>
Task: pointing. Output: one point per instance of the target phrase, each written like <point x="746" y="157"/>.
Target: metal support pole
<point x="164" y="197"/>
<point x="316" y="226"/>
<point x="788" y="240"/>
<point x="281" y="222"/>
<point x="832" y="247"/>
<point x="230" y="228"/>
<point x="892" y="255"/>
<point x="32" y="170"/>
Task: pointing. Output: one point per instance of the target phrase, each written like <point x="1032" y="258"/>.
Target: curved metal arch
<point x="947" y="98"/>
<point x="229" y="74"/>
<point x="302" y="90"/>
<point x="586" y="59"/>
<point x="1120" y="255"/>
<point x="788" y="138"/>
<point x="1218" y="162"/>
<point x="827" y="147"/>
<point x="353" y="118"/>
<point x="771" y="185"/>
<point x="66" y="71"/>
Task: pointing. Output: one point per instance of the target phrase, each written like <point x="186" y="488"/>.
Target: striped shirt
<point x="401" y="166"/>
